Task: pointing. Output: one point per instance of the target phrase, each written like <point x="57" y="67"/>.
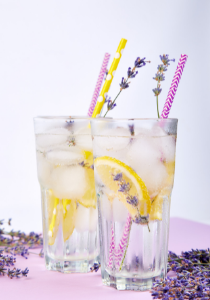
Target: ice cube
<point x="120" y="212"/>
<point x="82" y="218"/>
<point x="93" y="219"/>
<point x="83" y="139"/>
<point x="168" y="146"/>
<point x="51" y="138"/>
<point x="64" y="156"/>
<point x="69" y="182"/>
<point x="143" y="149"/>
<point x="145" y="158"/>
<point x="113" y="139"/>
<point x="164" y="142"/>
<point x="44" y="170"/>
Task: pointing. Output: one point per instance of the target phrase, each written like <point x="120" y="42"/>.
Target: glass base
<point x="81" y="266"/>
<point x="134" y="284"/>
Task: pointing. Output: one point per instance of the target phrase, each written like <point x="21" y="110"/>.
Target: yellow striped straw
<point x="108" y="81"/>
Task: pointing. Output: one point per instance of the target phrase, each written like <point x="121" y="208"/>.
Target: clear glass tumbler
<point x="134" y="162"/>
<point x="69" y="206"/>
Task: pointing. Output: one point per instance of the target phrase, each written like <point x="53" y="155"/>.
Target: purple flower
<point x="110" y="104"/>
<point x="157" y="91"/>
<point x="141" y="219"/>
<point x="161" y="68"/>
<point x="69" y="124"/>
<point x="25" y="272"/>
<point x="133" y="200"/>
<point x="124" y="84"/>
<point x="159" y="77"/>
<point x="132" y="73"/>
<point x="165" y="60"/>
<point x="95" y="267"/>
<point x="124" y="187"/>
<point x="82" y="163"/>
<point x="131" y="128"/>
<point x="118" y="177"/>
<point x="140" y="62"/>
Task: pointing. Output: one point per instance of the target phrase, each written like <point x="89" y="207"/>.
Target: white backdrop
<point x="50" y="56"/>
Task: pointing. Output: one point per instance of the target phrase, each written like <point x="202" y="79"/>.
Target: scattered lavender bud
<point x="95" y="267"/>
<point x="131" y="129"/>
<point x="69" y="124"/>
<point x="118" y="177"/>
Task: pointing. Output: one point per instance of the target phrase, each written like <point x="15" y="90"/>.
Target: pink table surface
<point x="43" y="284"/>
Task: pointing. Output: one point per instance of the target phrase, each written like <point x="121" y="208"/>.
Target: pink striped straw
<point x="111" y="248"/>
<point x="98" y="84"/>
<point x="174" y="86"/>
<point x="123" y="242"/>
<point x="116" y="255"/>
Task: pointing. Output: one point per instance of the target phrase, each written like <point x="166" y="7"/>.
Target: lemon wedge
<point x="69" y="215"/>
<point x="107" y="167"/>
<point x="54" y="216"/>
<point x="157" y="203"/>
<point x="89" y="197"/>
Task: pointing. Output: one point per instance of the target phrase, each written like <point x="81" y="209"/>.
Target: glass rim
<point x="132" y="119"/>
<point x="62" y="117"/>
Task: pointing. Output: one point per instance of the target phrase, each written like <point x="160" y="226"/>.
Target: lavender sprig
<point x="18" y="243"/>
<point x="124" y="84"/>
<point x="192" y="279"/>
<point x="159" y="76"/>
<point x="110" y="104"/>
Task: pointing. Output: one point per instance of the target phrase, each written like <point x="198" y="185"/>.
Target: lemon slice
<point x="54" y="216"/>
<point x="157" y="203"/>
<point x="107" y="167"/>
<point x="170" y="168"/>
<point x="88" y="156"/>
<point x="69" y="214"/>
<point x="89" y="197"/>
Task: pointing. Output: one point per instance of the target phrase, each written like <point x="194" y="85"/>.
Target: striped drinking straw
<point x="99" y="84"/>
<point x="174" y="86"/>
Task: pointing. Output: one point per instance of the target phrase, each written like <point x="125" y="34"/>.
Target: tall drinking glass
<point x="66" y="177"/>
<point x="134" y="163"/>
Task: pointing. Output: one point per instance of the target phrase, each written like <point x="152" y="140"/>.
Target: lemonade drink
<point x="69" y="208"/>
<point x="134" y="163"/>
